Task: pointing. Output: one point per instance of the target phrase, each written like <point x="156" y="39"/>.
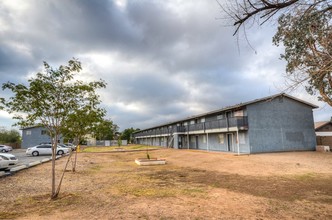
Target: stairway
<point x="170" y="143"/>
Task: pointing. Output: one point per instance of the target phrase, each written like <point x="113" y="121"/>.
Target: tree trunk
<point x="77" y="141"/>
<point x="54" y="147"/>
<point x="63" y="174"/>
<point x="74" y="166"/>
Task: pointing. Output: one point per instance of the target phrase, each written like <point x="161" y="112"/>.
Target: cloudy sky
<point x="162" y="60"/>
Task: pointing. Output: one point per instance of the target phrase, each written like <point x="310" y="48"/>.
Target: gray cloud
<point x="162" y="60"/>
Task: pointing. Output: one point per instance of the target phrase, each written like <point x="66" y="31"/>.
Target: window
<point x="238" y="113"/>
<point x="221" y="138"/>
<point x="28" y="132"/>
<point x="43" y="132"/>
<point x="204" y="139"/>
<point x="202" y="120"/>
<point x="242" y="138"/>
<point x="221" y="116"/>
<point x="3" y="157"/>
<point x="44" y="146"/>
<point x="191" y="138"/>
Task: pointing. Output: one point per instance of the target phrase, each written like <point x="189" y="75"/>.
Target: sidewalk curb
<point x="2" y="173"/>
<point x="18" y="168"/>
<point x="34" y="163"/>
<point x="26" y="166"/>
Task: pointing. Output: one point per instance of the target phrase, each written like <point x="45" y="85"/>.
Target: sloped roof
<point x="320" y="124"/>
<point x="29" y="127"/>
<point x="268" y="98"/>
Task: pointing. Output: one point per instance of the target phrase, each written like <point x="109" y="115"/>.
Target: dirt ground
<point x="192" y="185"/>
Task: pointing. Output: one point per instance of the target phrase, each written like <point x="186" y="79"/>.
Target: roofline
<point x="268" y="98"/>
<point x="299" y="100"/>
<point x="323" y="124"/>
<point x="32" y="126"/>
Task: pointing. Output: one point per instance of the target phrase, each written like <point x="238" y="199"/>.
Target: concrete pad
<point x="149" y="162"/>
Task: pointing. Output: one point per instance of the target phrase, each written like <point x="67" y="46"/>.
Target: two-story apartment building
<point x="35" y="135"/>
<point x="324" y="133"/>
<point x="276" y="123"/>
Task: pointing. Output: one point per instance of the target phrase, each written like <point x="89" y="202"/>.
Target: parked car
<point x="65" y="146"/>
<point x="45" y="149"/>
<point x="72" y="146"/>
<point x="7" y="160"/>
<point x="45" y="143"/>
<point x="5" y="148"/>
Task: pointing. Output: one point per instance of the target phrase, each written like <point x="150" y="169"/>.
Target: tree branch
<point x="265" y="6"/>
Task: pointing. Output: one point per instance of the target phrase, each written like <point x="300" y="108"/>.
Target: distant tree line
<point x="127" y="134"/>
<point x="9" y="136"/>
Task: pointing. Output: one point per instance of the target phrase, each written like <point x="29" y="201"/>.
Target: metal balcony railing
<point x="239" y="122"/>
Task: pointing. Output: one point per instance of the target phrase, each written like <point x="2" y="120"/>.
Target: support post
<point x="237" y="141"/>
<point x="207" y="141"/>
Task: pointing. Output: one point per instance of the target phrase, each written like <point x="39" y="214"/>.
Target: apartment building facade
<point x="272" y="124"/>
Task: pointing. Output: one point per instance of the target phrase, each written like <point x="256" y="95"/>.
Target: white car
<point x="5" y="148"/>
<point x="7" y="160"/>
<point x="45" y="149"/>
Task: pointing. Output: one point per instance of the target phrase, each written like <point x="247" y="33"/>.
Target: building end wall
<point x="281" y="124"/>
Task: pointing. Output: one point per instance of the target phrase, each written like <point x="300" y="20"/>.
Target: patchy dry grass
<point x="100" y="149"/>
<point x="193" y="185"/>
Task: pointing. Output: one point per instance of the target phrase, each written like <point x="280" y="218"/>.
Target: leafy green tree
<point x="81" y="122"/>
<point x="304" y="29"/>
<point x="127" y="134"/>
<point x="105" y="130"/>
<point x="48" y="99"/>
<point x="308" y="50"/>
<point x="9" y="136"/>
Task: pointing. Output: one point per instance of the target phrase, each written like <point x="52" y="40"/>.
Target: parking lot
<point x="24" y="161"/>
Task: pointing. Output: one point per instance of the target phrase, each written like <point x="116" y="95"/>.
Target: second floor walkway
<point x="240" y="123"/>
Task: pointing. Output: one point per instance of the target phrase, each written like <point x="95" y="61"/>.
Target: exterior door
<point x="229" y="141"/>
<point x="180" y="142"/>
<point x="196" y="142"/>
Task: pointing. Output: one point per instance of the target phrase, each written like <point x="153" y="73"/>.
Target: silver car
<point x="45" y="149"/>
<point x="7" y="160"/>
<point x="5" y="148"/>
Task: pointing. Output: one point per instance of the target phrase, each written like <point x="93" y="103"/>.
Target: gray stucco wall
<point x="281" y="124"/>
<point x="35" y="137"/>
<point x="215" y="144"/>
<point x="218" y="142"/>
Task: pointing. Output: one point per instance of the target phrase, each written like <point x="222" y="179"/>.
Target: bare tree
<point x="305" y="31"/>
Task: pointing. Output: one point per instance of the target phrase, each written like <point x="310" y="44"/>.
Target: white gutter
<point x="323" y="133"/>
